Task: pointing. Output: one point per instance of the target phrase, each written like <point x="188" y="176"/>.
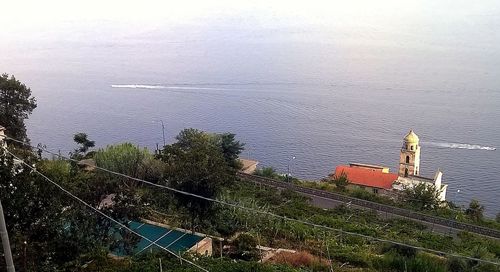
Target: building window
<point x="406" y="172"/>
<point x="407" y="159"/>
<point x="375" y="191"/>
<point x="411" y="147"/>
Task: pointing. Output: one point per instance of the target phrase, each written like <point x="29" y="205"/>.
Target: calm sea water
<point x="327" y="95"/>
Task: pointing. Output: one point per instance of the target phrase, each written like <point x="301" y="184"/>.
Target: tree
<point x="16" y="104"/>
<point x="196" y="165"/>
<point x="475" y="211"/>
<point x="81" y="139"/>
<point x="36" y="213"/>
<point x="226" y="142"/>
<point x="83" y="228"/>
<point x="130" y="160"/>
<point x="341" y="181"/>
<point x="231" y="149"/>
<point x="422" y="196"/>
<point x="267" y="172"/>
<point x="245" y="247"/>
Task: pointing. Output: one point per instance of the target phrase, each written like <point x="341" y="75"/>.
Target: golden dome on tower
<point x="411" y="137"/>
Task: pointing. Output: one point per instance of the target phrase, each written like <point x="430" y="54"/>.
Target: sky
<point x="466" y="23"/>
<point x="31" y="16"/>
<point x="384" y="33"/>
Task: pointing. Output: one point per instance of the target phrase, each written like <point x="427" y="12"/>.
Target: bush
<point x="404" y="251"/>
<point x="426" y="263"/>
<point x="130" y="160"/>
<point x="475" y="211"/>
<point x="225" y="222"/>
<point x="422" y="196"/>
<point x="267" y="172"/>
<point x="418" y="263"/>
<point x="353" y="257"/>
<point x="341" y="181"/>
<point x="457" y="265"/>
<point x="245" y="247"/>
<point x="485" y="267"/>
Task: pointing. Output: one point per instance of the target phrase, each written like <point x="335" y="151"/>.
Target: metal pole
<point x="5" y="242"/>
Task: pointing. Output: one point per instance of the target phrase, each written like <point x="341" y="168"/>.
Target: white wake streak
<point x="463" y="146"/>
<point x="139" y="86"/>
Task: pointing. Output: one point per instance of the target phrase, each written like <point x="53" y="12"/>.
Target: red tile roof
<point x="367" y="177"/>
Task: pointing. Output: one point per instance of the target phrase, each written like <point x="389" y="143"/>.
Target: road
<point x="326" y="199"/>
<point x="327" y="203"/>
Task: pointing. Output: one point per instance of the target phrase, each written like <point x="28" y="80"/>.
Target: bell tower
<point x="409" y="160"/>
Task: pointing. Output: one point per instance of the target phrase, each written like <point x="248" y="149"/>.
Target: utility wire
<point x="103" y="214"/>
<point x="265" y="212"/>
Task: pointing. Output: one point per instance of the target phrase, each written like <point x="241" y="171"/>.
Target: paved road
<point x="327" y="203"/>
<point x="326" y="199"/>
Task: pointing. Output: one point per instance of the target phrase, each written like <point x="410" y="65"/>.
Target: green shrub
<point x="418" y="263"/>
<point x="353" y="257"/>
<point x="245" y="247"/>
<point x="267" y="172"/>
<point x="457" y="265"/>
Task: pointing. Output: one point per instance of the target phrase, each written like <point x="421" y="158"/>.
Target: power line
<point x="103" y="214"/>
<point x="263" y="212"/>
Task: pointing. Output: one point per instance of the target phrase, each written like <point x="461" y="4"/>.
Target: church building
<point x="380" y="180"/>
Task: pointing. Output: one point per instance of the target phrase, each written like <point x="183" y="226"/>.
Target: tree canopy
<point x="16" y="104"/>
<point x="231" y="148"/>
<point x="84" y="142"/>
<point x="130" y="160"/>
<point x="197" y="165"/>
<point x="475" y="210"/>
<point x="46" y="227"/>
<point x="422" y="196"/>
<point x="341" y="181"/>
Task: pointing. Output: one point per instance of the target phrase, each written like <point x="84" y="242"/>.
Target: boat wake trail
<point x="157" y="87"/>
<point x="463" y="146"/>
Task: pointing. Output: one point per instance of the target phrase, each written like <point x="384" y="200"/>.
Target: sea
<point x="301" y="94"/>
